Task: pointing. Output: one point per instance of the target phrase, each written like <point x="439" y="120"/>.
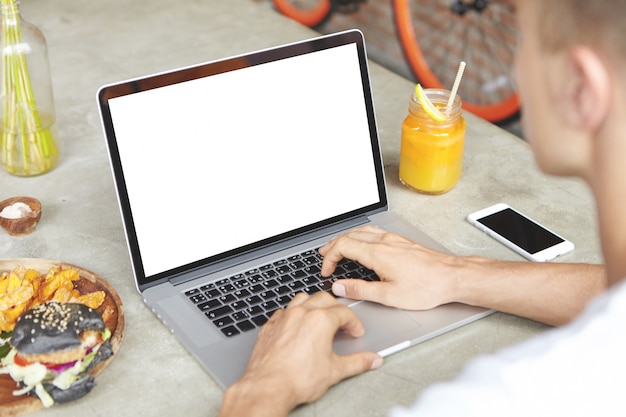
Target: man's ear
<point x="588" y="92"/>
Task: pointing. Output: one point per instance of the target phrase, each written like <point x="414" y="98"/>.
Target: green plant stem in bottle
<point x="28" y="121"/>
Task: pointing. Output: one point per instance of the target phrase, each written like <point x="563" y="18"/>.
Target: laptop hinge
<point x="261" y="251"/>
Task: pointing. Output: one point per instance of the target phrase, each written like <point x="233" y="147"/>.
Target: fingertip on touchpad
<point x="385" y="327"/>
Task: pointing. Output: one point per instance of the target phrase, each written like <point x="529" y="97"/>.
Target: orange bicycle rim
<point x="497" y="112"/>
<point x="311" y="17"/>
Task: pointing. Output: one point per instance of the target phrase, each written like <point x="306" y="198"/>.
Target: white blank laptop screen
<point x="220" y="162"/>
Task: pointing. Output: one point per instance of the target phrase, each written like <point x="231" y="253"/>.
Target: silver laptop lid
<point x="223" y="158"/>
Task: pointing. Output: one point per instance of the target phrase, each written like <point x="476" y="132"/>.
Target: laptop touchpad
<point x="385" y="327"/>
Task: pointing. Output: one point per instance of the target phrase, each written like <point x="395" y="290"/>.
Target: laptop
<point x="231" y="174"/>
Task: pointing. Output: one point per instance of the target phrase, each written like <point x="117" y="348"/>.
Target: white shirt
<point x="575" y="370"/>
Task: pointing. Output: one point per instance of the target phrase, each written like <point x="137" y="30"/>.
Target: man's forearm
<point x="551" y="293"/>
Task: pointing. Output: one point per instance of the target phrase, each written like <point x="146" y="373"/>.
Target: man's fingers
<point x="358" y="289"/>
<point x="341" y="316"/>
<point x="358" y="245"/>
<point x="356" y="363"/>
<point x="364" y="234"/>
<point x="344" y="247"/>
<point x="299" y="299"/>
<point x="345" y="319"/>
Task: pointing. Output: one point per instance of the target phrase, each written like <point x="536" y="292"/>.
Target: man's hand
<point x="293" y="361"/>
<point x="412" y="276"/>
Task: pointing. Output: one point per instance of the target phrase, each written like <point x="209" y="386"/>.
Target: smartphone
<point x="520" y="233"/>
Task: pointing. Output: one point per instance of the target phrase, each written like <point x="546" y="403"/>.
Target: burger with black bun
<point x="54" y="345"/>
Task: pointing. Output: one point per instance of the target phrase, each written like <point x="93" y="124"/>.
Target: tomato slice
<point x="19" y="360"/>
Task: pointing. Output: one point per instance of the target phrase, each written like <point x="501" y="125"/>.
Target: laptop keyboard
<point x="246" y="300"/>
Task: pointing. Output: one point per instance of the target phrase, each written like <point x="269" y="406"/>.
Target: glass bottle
<point x="431" y="152"/>
<point x="28" y="140"/>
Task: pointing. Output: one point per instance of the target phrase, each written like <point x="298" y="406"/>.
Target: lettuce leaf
<point x="5" y="347"/>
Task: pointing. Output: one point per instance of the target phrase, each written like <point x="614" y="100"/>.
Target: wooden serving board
<point x="11" y="405"/>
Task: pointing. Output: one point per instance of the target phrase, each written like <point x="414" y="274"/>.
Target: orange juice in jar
<point x="431" y="153"/>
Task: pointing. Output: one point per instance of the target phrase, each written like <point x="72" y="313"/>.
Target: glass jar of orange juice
<point x="431" y="153"/>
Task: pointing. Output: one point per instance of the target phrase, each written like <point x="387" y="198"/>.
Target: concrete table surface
<point x="94" y="43"/>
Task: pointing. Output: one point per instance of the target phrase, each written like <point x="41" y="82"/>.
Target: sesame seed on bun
<point x="54" y="328"/>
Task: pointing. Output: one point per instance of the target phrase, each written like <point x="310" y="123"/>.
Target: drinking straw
<point x="455" y="87"/>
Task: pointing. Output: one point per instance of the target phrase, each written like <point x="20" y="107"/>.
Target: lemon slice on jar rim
<point x="428" y="105"/>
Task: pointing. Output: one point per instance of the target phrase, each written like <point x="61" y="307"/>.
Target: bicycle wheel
<point x="308" y="12"/>
<point x="437" y="35"/>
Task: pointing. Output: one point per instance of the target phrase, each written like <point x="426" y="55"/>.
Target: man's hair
<point x="601" y="24"/>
